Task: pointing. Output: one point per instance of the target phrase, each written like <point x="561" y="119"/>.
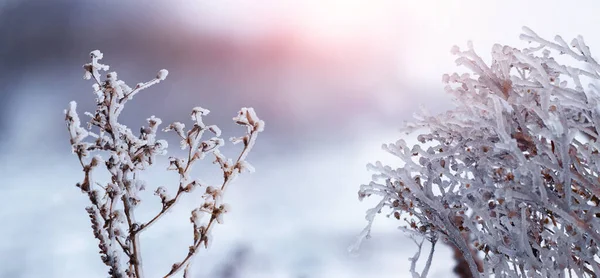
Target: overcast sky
<point x="332" y="79"/>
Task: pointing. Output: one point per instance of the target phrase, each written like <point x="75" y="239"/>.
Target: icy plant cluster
<point x="510" y="176"/>
<point x="125" y="155"/>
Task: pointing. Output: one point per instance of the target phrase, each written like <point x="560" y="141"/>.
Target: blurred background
<point x="333" y="80"/>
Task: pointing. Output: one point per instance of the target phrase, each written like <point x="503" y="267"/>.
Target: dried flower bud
<point x="162" y="74"/>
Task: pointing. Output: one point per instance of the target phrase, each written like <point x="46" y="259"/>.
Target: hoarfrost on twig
<point x="509" y="177"/>
<point x="128" y="155"/>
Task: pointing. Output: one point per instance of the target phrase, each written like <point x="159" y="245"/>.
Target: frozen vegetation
<point x="125" y="156"/>
<point x="510" y="176"/>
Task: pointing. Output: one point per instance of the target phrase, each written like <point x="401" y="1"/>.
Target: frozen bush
<point x="510" y="176"/>
<point x="124" y="155"/>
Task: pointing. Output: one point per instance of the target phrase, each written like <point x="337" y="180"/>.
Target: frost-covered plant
<point x="510" y="176"/>
<point x="125" y="156"/>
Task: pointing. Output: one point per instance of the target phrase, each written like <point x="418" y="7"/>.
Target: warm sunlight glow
<point x="383" y="25"/>
<point x="358" y="53"/>
<point x="324" y="19"/>
<point x="343" y="18"/>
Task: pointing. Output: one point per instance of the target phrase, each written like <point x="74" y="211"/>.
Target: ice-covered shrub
<point x="510" y="176"/>
<point x="124" y="155"/>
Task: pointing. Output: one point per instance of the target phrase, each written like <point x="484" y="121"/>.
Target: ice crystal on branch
<point x="510" y="176"/>
<point x="113" y="203"/>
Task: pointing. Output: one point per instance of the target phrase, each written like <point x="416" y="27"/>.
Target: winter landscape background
<point x="332" y="79"/>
